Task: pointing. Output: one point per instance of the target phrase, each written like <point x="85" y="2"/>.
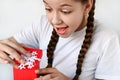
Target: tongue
<point x="61" y="30"/>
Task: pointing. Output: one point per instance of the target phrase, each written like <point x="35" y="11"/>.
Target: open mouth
<point x="61" y="30"/>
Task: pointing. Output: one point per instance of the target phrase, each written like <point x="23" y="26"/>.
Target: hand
<point x="50" y="74"/>
<point x="10" y="47"/>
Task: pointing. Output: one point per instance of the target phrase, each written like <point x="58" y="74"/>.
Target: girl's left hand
<point x="50" y="74"/>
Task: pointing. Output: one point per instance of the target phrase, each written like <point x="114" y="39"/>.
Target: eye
<point x="48" y="9"/>
<point x="66" y="11"/>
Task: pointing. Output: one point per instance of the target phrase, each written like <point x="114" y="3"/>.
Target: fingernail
<point x="36" y="71"/>
<point x="35" y="79"/>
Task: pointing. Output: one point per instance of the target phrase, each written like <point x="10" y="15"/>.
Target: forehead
<point x="62" y="2"/>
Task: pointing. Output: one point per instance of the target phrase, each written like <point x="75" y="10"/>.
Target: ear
<point x="88" y="7"/>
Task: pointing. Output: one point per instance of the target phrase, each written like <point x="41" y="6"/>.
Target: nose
<point x="56" y="20"/>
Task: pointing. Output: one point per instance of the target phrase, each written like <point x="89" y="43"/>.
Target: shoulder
<point x="108" y="48"/>
<point x="103" y="32"/>
<point x="104" y="40"/>
<point x="41" y="21"/>
<point x="42" y="24"/>
<point x="103" y="37"/>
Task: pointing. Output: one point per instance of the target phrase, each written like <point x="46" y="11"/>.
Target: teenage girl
<point x="74" y="46"/>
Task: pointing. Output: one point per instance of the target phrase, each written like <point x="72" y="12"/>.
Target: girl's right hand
<point x="10" y="47"/>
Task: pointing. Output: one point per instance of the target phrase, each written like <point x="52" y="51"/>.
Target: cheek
<point x="49" y="17"/>
<point x="74" y="19"/>
<point x="75" y="22"/>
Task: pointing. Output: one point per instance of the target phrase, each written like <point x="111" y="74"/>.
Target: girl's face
<point x="66" y="16"/>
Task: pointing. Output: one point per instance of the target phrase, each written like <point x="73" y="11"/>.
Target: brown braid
<point x="51" y="47"/>
<point x="86" y="42"/>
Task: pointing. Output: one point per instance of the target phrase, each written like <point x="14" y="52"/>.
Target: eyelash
<point x="47" y="9"/>
<point x="64" y="12"/>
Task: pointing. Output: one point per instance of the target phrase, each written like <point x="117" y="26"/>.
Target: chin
<point x="64" y="36"/>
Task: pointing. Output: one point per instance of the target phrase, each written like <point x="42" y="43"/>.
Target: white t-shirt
<point x="102" y="60"/>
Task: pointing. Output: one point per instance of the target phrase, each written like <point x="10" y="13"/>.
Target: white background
<point x="16" y="14"/>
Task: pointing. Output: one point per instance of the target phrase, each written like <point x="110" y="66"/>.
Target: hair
<point x="84" y="48"/>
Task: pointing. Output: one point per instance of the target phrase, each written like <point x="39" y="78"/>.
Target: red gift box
<point x="27" y="71"/>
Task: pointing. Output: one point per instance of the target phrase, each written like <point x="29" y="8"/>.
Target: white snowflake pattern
<point x="30" y="65"/>
<point x="21" y="66"/>
<point x="35" y="58"/>
<point x="34" y="53"/>
<point x="29" y="61"/>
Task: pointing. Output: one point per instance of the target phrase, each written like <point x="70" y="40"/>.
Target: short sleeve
<point x="32" y="34"/>
<point x="108" y="67"/>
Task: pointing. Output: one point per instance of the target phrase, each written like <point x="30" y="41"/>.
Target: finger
<point x="12" y="52"/>
<point x="4" y="55"/>
<point x="5" y="59"/>
<point x="23" y="45"/>
<point x="18" y="47"/>
<point x="8" y="61"/>
<point x="46" y="71"/>
<point x="46" y="77"/>
<point x="56" y="78"/>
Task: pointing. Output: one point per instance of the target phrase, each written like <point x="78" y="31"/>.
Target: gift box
<point x="27" y="71"/>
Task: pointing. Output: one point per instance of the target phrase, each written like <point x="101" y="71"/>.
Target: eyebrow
<point x="66" y="5"/>
<point x="60" y="5"/>
<point x="45" y="2"/>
